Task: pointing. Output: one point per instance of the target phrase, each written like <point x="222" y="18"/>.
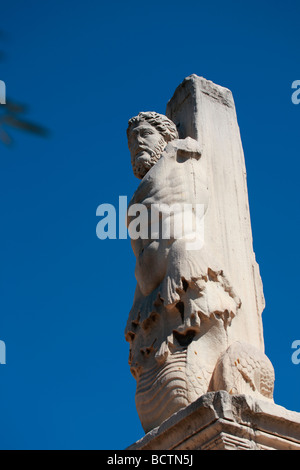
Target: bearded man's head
<point x="148" y="135"/>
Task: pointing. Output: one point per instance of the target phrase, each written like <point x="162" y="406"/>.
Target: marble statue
<point x="192" y="327"/>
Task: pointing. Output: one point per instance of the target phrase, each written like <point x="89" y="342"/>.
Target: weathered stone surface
<point x="220" y="421"/>
<point x="195" y="324"/>
<point x="206" y="112"/>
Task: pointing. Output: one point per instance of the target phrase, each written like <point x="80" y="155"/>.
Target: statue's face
<point x="146" y="145"/>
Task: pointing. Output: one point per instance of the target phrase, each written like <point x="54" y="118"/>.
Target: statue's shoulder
<point x="144" y="187"/>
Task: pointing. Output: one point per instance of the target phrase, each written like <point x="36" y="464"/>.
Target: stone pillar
<point x="206" y="112"/>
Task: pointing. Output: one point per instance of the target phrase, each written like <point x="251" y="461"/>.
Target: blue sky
<point x="84" y="68"/>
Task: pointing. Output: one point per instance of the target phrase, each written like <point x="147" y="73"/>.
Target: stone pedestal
<point x="220" y="421"/>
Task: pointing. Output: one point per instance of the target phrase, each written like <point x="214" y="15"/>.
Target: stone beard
<point x="184" y="303"/>
<point x="140" y="168"/>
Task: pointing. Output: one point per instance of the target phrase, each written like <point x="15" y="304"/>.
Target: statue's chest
<point x="170" y="182"/>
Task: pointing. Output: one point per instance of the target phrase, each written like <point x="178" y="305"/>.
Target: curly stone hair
<point x="163" y="124"/>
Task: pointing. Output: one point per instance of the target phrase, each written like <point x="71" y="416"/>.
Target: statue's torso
<point x="173" y="184"/>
